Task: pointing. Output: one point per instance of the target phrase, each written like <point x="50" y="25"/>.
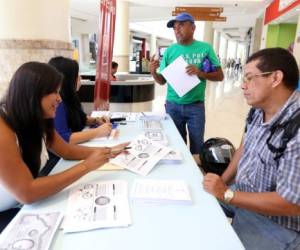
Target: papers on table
<point x="152" y="125"/>
<point x="173" y="157"/>
<point x="153" y="116"/>
<point x="142" y="157"/>
<point x="176" y="76"/>
<point x="157" y="136"/>
<point x="161" y="192"/>
<point x="30" y="231"/>
<point x="129" y="116"/>
<point x="98" y="205"/>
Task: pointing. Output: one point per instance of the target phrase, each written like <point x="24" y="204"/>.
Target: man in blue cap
<point x="188" y="110"/>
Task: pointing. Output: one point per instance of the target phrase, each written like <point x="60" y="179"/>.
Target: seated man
<point x="265" y="206"/>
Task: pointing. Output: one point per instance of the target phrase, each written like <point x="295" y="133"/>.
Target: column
<point x="235" y="49"/>
<point x="296" y="51"/>
<point x="121" y="43"/>
<point x="32" y="30"/>
<point x="84" y="49"/>
<point x="208" y="33"/>
<point x="217" y="35"/>
<point x="257" y="35"/>
<point x="153" y="45"/>
<point x="263" y="40"/>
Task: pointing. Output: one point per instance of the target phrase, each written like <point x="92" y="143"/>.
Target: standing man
<point x="188" y="110"/>
<point x="265" y="206"/>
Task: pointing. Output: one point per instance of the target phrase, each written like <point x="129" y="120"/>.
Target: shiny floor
<point x="226" y="108"/>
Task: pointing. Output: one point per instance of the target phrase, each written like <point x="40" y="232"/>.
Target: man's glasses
<point x="247" y="79"/>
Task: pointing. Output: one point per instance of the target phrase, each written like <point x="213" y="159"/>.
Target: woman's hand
<point x="115" y="150"/>
<point x="97" y="158"/>
<point x="104" y="130"/>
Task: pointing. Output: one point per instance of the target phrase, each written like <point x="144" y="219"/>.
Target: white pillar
<point x="84" y="49"/>
<point x="257" y="35"/>
<point x="235" y="48"/>
<point x="32" y="30"/>
<point x="121" y="42"/>
<point x="153" y="45"/>
<point x="208" y="33"/>
<point x="296" y="51"/>
<point x="217" y="35"/>
<point x="264" y="37"/>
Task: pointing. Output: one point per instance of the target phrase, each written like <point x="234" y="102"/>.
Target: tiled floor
<point x="226" y="109"/>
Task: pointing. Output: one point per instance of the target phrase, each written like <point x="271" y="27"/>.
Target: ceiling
<point x="241" y="14"/>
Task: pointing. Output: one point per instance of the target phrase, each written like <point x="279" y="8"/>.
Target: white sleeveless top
<point x="7" y="201"/>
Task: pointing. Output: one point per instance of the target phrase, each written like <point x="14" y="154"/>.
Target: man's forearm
<point x="212" y="76"/>
<point x="267" y="203"/>
<point x="159" y="78"/>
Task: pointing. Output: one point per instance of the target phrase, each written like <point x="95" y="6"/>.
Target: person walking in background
<point x="114" y="69"/>
<point x="188" y="110"/>
<point x="27" y="131"/>
<point x="70" y="118"/>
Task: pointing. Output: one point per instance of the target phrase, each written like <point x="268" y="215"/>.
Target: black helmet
<point x="216" y="155"/>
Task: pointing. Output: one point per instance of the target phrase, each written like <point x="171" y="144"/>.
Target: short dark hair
<point x="76" y="118"/>
<point x="272" y="59"/>
<point x="22" y="110"/>
<point x="114" y="64"/>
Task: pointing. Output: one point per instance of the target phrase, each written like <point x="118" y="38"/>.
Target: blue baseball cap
<point x="181" y="18"/>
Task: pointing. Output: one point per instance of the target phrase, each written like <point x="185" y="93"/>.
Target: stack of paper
<point x="142" y="157"/>
<point x="173" y="157"/>
<point x="98" y="205"/>
<point x="153" y="116"/>
<point x="129" y="116"/>
<point x="157" y="136"/>
<point x="161" y="192"/>
<point x="30" y="231"/>
<point x="152" y="125"/>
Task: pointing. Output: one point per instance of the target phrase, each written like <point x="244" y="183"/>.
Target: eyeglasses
<point x="247" y="79"/>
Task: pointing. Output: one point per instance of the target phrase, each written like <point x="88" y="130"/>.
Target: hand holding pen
<point x="115" y="150"/>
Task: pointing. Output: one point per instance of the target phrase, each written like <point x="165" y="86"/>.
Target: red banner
<point x="276" y="9"/>
<point x="105" y="52"/>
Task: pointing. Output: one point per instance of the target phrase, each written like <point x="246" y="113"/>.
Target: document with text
<point x="143" y="155"/>
<point x="98" y="205"/>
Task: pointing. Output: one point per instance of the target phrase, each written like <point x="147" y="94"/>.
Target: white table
<point x="202" y="225"/>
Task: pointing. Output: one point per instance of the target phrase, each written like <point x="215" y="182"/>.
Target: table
<point x="202" y="225"/>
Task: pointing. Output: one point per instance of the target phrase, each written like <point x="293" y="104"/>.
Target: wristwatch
<point x="228" y="195"/>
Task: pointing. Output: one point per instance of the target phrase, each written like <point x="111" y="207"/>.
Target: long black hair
<point x="22" y="110"/>
<point x="76" y="118"/>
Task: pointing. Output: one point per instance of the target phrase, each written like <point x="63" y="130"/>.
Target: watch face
<point x="228" y="195"/>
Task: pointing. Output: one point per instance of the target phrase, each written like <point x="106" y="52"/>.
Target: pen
<point x="127" y="148"/>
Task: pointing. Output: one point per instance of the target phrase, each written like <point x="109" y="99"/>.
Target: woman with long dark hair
<point x="27" y="131"/>
<point x="70" y="118"/>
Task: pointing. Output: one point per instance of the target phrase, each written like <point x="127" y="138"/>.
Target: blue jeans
<point x="258" y="232"/>
<point x="190" y="115"/>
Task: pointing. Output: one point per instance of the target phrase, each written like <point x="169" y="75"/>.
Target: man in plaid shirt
<point x="265" y="200"/>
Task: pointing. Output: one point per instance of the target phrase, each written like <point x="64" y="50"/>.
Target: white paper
<point x="153" y="115"/>
<point x="98" y="205"/>
<point x="142" y="157"/>
<point x="161" y="192"/>
<point x="157" y="136"/>
<point x="152" y="125"/>
<point x="129" y="116"/>
<point x="176" y="76"/>
<point x="173" y="157"/>
<point x="30" y="231"/>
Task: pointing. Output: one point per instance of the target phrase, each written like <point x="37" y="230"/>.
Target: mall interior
<point x="37" y="30"/>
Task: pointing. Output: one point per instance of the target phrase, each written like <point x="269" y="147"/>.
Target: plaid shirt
<point x="258" y="171"/>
